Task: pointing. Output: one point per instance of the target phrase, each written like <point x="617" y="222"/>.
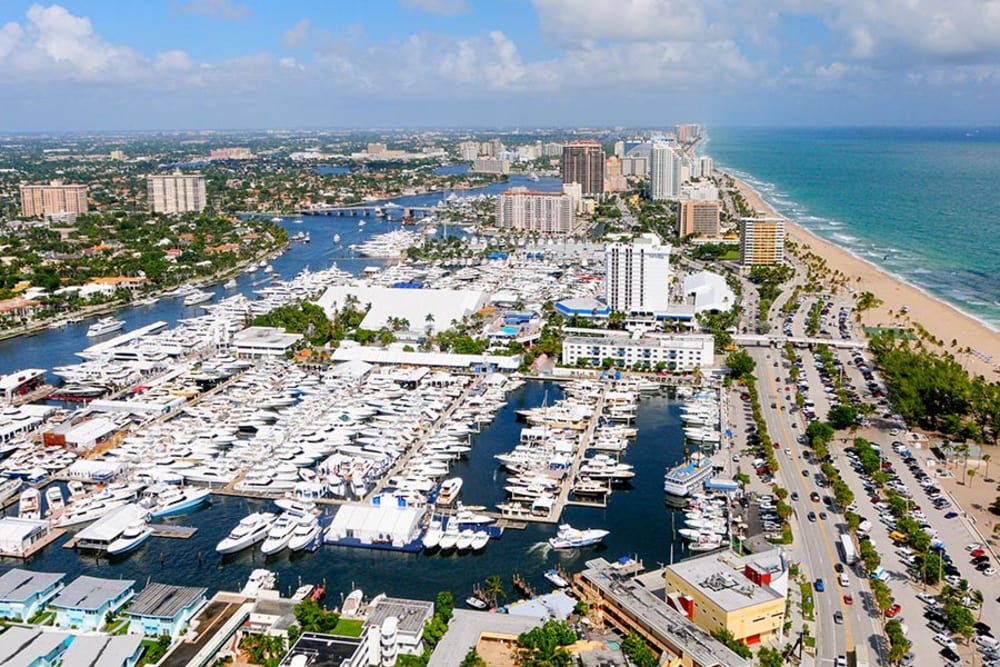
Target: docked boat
<point x="29" y="505"/>
<point x="480" y="538"/>
<point x="306" y="532"/>
<point x="449" y="538"/>
<point x="103" y="326"/>
<point x="432" y="536"/>
<point x="167" y="500"/>
<point x="248" y="532"/>
<point x="688" y="477"/>
<point x="55" y="502"/>
<point x="9" y="488"/>
<point x="131" y="538"/>
<point x="569" y="537"/>
<point x="464" y="541"/>
<point x="705" y="544"/>
<point x="295" y="506"/>
<point x="196" y="297"/>
<point x="556" y="579"/>
<point x="230" y="284"/>
<point x="476" y="603"/>
<point x="448" y="493"/>
<point x="279" y="534"/>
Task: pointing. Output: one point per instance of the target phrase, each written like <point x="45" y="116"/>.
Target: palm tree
<point x="494" y="588"/>
<point x="971" y="474"/>
<point x="986" y="460"/>
<point x="977" y="600"/>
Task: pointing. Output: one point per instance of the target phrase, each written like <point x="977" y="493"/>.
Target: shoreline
<point x="938" y="316"/>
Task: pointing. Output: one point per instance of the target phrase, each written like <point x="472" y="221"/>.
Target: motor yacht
<point x="248" y="532"/>
<point x="432" y="536"/>
<point x="306" y="533"/>
<point x="29" y="505"/>
<point x="279" y="534"/>
<point x="168" y="500"/>
<point x="104" y="326"/>
<point x="131" y="538"/>
<point x="574" y="538"/>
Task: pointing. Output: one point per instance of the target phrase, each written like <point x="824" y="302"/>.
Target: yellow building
<point x="619" y="596"/>
<point x="762" y="241"/>
<point x="698" y="217"/>
<point x="744" y="595"/>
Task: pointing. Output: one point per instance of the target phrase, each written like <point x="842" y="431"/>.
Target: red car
<point x="848" y="598"/>
<point x="892" y="611"/>
<point x="977" y="553"/>
<point x="777" y="445"/>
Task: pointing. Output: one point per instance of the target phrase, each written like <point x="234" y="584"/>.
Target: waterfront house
<point x="162" y="609"/>
<point x="104" y="651"/>
<point x="32" y="647"/>
<point x="84" y="603"/>
<point x="23" y="593"/>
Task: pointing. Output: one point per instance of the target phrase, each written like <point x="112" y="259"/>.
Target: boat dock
<point x="159" y="530"/>
<point x="36" y="546"/>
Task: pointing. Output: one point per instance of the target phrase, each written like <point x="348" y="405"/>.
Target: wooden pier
<point x="53" y="535"/>
<point x="159" y="530"/>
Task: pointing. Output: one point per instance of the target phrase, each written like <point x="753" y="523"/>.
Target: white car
<point x="841" y="661"/>
<point x="945" y="640"/>
<point x="926" y="598"/>
<point x="973" y="546"/>
<point x="989" y="572"/>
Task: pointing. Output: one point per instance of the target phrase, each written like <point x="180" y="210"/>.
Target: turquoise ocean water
<point x="921" y="203"/>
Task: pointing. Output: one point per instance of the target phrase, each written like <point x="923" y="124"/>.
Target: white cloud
<point x="177" y="61"/>
<point x="296" y="35"/>
<point x="654" y="20"/>
<point x="223" y="10"/>
<point x="442" y="7"/>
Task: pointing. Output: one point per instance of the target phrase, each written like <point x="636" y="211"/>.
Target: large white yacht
<point x="248" y="532"/>
<point x="103" y="326"/>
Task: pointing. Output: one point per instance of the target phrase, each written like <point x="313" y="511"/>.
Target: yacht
<point x="432" y="536"/>
<point x="168" y="500"/>
<point x="305" y="534"/>
<point x="448" y="493"/>
<point x="248" y="532"/>
<point x="230" y="284"/>
<point x="105" y="325"/>
<point x="291" y="505"/>
<point x="574" y="538"/>
<point x="29" y="505"/>
<point x="279" y="534"/>
<point x="8" y="489"/>
<point x="196" y="297"/>
<point x="556" y="579"/>
<point x="131" y="538"/>
<point x="464" y="540"/>
<point x="480" y="538"/>
<point x="449" y="538"/>
<point x="687" y="477"/>
<point x="55" y="502"/>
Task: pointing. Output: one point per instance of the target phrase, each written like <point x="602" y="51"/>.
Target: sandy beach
<point x="940" y="319"/>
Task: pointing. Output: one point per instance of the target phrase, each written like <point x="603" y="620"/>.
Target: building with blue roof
<point x="23" y="593"/>
<point x="583" y="307"/>
<point x="84" y="603"/>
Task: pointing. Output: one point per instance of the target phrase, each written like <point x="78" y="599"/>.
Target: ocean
<point x="921" y="203"/>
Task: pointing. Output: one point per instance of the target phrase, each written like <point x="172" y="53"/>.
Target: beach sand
<point x="939" y="318"/>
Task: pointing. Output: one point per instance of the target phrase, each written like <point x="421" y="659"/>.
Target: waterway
<point x="639" y="521"/>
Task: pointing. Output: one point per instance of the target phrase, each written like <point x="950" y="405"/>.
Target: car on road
<point x="950" y="655"/>
<point x="976" y="553"/>
<point x="795" y="495"/>
<point x="951" y="515"/>
<point x="893" y="611"/>
<point x="838" y="567"/>
<point x="838" y="617"/>
<point x="822" y="515"/>
<point x="926" y="598"/>
<point x="848" y="598"/>
<point x="805" y="473"/>
<point x="841" y="661"/>
<point x="818" y="585"/>
<point x="973" y="546"/>
<point x="788" y="452"/>
<point x="811" y="516"/>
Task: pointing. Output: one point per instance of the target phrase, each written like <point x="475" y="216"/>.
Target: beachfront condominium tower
<point x="583" y="163"/>
<point x="637" y="275"/>
<point x="665" y="166"/>
<point x="56" y="198"/>
<point x="176" y="193"/>
<point x="762" y="241"/>
<point x="522" y="210"/>
<point x="698" y="217"/>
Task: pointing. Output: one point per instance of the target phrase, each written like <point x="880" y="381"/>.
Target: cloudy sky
<point x="167" y="64"/>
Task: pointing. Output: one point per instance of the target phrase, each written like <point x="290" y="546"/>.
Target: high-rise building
<point x="637" y="275"/>
<point x="583" y="163"/>
<point x="664" y="172"/>
<point x="231" y="153"/>
<point x="56" y="198"/>
<point x="176" y="193"/>
<point x="762" y="241"/>
<point x="376" y="148"/>
<point x="686" y="132"/>
<point x="468" y="150"/>
<point x="552" y="149"/>
<point x="490" y="165"/>
<point x="522" y="210"/>
<point x="698" y="217"/>
<point x="705" y="166"/>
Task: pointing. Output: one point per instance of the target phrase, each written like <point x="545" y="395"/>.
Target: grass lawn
<point x="348" y="627"/>
<point x="808" y="607"/>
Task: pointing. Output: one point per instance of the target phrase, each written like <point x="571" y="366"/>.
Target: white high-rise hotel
<point x="665" y="166"/>
<point x="637" y="276"/>
<point x="176" y="193"/>
<point x="522" y="210"/>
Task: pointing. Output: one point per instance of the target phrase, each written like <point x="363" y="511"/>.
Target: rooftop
<point x="18" y="585"/>
<point x="720" y="578"/>
<point x="91" y="592"/>
<point x="465" y="629"/>
<point x="164" y="600"/>
<point x="411" y="614"/>
<point x="102" y="650"/>
<point x="271" y="338"/>
<point x="642" y="598"/>
<point x="323" y="650"/>
<point x="22" y="647"/>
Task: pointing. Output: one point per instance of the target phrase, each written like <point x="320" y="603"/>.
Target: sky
<point x="254" y="64"/>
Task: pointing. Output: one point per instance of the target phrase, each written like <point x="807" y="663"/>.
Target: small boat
<point x="449" y="538"/>
<point x="131" y="538"/>
<point x="248" y="532"/>
<point x="432" y="536"/>
<point x="480" y="539"/>
<point x="464" y="541"/>
<point x="557" y="580"/>
<point x="475" y="602"/>
<point x="103" y="326"/>
<point x="9" y="488"/>
<point x="230" y="284"/>
<point x="259" y="580"/>
<point x="55" y="502"/>
<point x="569" y="537"/>
<point x="29" y="505"/>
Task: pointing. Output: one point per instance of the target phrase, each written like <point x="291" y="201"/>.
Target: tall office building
<point x="56" y="198"/>
<point x="583" y="163"/>
<point x="762" y="241"/>
<point x="176" y="193"/>
<point x="468" y="150"/>
<point x="698" y="217"/>
<point x="705" y="166"/>
<point x="664" y="172"/>
<point x="522" y="210"/>
<point x="637" y="275"/>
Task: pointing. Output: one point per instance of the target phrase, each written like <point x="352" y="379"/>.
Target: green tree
<point x="770" y="657"/>
<point x="726" y="636"/>
<point x="493" y="588"/>
<point x="638" y="651"/>
<point x="740" y="363"/>
<point x="843" y="416"/>
<point x="472" y="659"/>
